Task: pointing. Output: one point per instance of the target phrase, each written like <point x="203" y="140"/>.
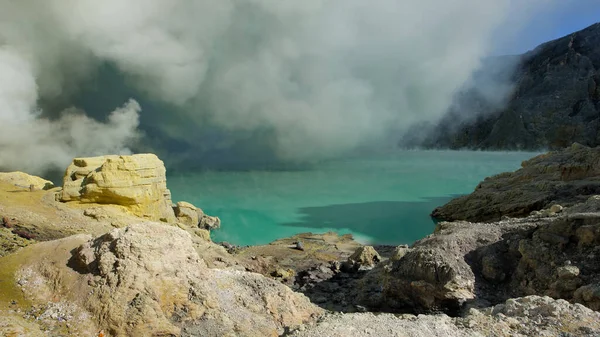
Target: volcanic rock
<point x="186" y="213"/>
<point x="25" y="180"/>
<point x="137" y="182"/>
<point x="555" y="100"/>
<point x="148" y="280"/>
<point x="526" y="316"/>
<point x="209" y="222"/>
<point x="564" y="177"/>
<point x="365" y="257"/>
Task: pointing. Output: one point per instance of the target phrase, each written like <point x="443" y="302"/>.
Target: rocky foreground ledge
<point x="109" y="254"/>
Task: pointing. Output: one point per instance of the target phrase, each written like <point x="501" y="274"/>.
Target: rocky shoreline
<point x="565" y="177"/>
<point x="109" y="254"/>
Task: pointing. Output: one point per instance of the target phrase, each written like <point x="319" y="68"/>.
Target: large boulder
<point x="589" y="295"/>
<point x="187" y="213"/>
<point x="365" y="257"/>
<point x="136" y="182"/>
<point x="564" y="177"/>
<point x="436" y="272"/>
<point x="193" y="216"/>
<point x="148" y="280"/>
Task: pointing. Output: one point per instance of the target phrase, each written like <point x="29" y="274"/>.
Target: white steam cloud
<point x="324" y="75"/>
<point x="39" y="62"/>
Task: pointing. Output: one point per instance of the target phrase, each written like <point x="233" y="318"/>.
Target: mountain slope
<point x="555" y="101"/>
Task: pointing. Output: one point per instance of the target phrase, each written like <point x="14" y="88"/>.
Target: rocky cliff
<point x="555" y="101"/>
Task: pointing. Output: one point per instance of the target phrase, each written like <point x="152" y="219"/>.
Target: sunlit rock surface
<point x="148" y="280"/>
<point x="24" y="180"/>
<point x="137" y="182"/>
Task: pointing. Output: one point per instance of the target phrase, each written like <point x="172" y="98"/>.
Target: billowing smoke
<point x="37" y="61"/>
<point x="320" y="77"/>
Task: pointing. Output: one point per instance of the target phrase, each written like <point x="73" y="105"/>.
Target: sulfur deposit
<point x="137" y="182"/>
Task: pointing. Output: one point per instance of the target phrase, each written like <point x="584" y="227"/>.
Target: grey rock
<point x="589" y="295"/>
<point x="555" y="100"/>
<point x="564" y="177"/>
<point x="209" y="222"/>
<point x="463" y="262"/>
<point x="526" y="316"/>
<point x="568" y="272"/>
<point x="399" y="252"/>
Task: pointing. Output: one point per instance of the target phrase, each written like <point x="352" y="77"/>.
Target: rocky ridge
<point x="551" y="252"/>
<point x="554" y="101"/>
<point x="566" y="177"/>
<point x="483" y="275"/>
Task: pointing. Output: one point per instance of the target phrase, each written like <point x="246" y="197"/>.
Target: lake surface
<point x="382" y="199"/>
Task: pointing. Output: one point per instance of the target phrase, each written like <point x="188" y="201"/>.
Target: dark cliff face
<point x="554" y="102"/>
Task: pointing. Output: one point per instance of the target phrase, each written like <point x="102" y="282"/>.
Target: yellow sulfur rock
<point x="25" y="180"/>
<point x="137" y="182"/>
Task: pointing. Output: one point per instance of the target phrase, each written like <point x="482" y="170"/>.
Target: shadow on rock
<point x="353" y="285"/>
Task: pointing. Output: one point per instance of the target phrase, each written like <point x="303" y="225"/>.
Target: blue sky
<point x="560" y="18"/>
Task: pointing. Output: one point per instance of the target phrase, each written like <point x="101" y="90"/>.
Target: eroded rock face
<point x="554" y="101"/>
<point x="148" y="280"/>
<point x="435" y="273"/>
<point x="187" y="213"/>
<point x="560" y="259"/>
<point x="465" y="262"/>
<point x="564" y="177"/>
<point x="137" y="182"/>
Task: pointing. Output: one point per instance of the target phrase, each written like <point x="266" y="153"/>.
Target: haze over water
<point x="381" y="199"/>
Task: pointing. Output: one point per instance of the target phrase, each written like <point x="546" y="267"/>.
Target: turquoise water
<point x="383" y="199"/>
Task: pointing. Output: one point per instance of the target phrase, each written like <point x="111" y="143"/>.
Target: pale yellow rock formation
<point x="137" y="182"/>
<point x="365" y="256"/>
<point x="148" y="280"/>
<point x="187" y="213"/>
<point x="24" y="180"/>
